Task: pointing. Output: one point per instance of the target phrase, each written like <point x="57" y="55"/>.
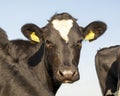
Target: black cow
<point x="108" y="69"/>
<point x="16" y="76"/>
<point x="39" y="66"/>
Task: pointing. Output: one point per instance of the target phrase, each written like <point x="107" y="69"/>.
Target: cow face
<point x="63" y="41"/>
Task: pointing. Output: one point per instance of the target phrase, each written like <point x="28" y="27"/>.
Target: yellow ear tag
<point x="90" y="36"/>
<point x="34" y="37"/>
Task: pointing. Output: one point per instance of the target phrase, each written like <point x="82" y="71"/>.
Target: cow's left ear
<point x="32" y="32"/>
<point x="94" y="30"/>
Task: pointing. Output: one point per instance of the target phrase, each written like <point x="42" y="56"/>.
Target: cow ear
<point x="94" y="30"/>
<point x="32" y="32"/>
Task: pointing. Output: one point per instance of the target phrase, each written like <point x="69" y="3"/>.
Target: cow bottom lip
<point x="67" y="81"/>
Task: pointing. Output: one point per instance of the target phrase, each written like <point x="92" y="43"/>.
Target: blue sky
<point x="14" y="14"/>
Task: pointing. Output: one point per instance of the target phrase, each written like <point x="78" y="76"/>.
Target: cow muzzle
<point x="68" y="75"/>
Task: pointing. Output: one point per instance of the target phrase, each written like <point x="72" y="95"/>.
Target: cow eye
<point x="49" y="44"/>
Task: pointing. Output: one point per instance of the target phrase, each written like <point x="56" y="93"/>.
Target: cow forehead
<point x="63" y="27"/>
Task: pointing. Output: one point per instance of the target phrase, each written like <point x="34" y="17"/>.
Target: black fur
<point x="107" y="66"/>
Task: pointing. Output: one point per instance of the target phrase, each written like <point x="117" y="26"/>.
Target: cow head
<point x="63" y="41"/>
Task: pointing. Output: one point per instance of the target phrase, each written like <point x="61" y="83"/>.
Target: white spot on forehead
<point x="63" y="27"/>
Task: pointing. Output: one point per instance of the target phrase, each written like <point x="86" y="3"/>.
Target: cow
<point x="107" y="61"/>
<point x="38" y="66"/>
<point x="16" y="77"/>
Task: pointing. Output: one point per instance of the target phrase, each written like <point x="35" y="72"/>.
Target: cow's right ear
<point x="32" y="32"/>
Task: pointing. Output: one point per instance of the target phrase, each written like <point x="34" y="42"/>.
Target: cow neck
<point x="37" y="57"/>
<point x="39" y="70"/>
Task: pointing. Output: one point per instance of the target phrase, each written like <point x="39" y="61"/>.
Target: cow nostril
<point x="75" y="73"/>
<point x="60" y="73"/>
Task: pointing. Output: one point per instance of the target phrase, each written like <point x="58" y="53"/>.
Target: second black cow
<point x="108" y="70"/>
<point x="51" y="57"/>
